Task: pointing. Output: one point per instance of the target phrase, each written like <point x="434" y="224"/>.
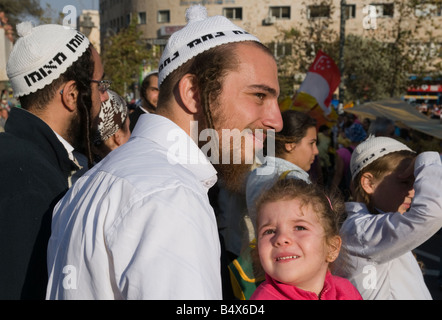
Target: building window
<point x="142" y="18"/>
<point x="280" y="12"/>
<point x="280" y="49"/>
<point x="233" y="13"/>
<point x="350" y="11"/>
<point x="163" y="16"/>
<point x="384" y="9"/>
<point x="320" y="11"/>
<point x="428" y="10"/>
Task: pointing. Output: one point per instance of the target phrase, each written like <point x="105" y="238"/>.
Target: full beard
<point x="231" y="161"/>
<point x="76" y="132"/>
<point x="233" y="175"/>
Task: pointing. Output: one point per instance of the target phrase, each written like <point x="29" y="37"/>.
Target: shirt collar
<point x="181" y="149"/>
<point x="295" y="293"/>
<point x="145" y="111"/>
<point x="67" y="145"/>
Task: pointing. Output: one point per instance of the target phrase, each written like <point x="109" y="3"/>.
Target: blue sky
<point x="80" y="5"/>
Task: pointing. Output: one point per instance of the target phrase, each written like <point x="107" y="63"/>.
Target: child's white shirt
<point x="380" y="262"/>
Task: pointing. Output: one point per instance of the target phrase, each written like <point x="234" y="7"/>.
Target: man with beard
<point x="56" y="74"/>
<point x="139" y="225"/>
<point x="149" y="98"/>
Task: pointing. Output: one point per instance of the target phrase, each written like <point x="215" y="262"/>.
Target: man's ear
<point x="368" y="183"/>
<point x="189" y="94"/>
<point x="69" y="95"/>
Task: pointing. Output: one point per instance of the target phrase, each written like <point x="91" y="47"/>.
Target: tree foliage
<point x="377" y="64"/>
<point x="16" y="10"/>
<point x="123" y="55"/>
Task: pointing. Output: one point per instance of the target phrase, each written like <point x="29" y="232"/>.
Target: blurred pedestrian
<point x="139" y="225"/>
<point x="342" y="175"/>
<point x="325" y="155"/>
<point x="4" y="115"/>
<point x="149" y="98"/>
<point x="56" y="74"/>
<point x="113" y="125"/>
<point x="382" y="127"/>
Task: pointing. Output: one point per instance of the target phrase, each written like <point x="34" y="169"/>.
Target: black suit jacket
<point x="34" y="172"/>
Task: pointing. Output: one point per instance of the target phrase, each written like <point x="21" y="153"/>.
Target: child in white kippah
<point x="399" y="207"/>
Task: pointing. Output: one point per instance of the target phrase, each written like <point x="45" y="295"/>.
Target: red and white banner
<point x="322" y="80"/>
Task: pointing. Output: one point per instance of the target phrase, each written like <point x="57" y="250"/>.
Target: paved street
<point x="430" y="254"/>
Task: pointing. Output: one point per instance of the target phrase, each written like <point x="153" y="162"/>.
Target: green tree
<point x="16" y="10"/>
<point x="377" y="64"/>
<point x="302" y="43"/>
<point x="366" y="69"/>
<point x="123" y="55"/>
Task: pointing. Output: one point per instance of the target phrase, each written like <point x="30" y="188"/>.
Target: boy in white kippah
<point x="139" y="225"/>
<point x="54" y="72"/>
<point x="399" y="206"/>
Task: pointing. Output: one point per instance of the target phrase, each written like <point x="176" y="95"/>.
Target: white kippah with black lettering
<point x="200" y="34"/>
<point x="42" y="54"/>
<point x="372" y="149"/>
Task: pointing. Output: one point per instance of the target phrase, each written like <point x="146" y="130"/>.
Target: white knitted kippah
<point x="41" y="55"/>
<point x="200" y="34"/>
<point x="372" y="149"/>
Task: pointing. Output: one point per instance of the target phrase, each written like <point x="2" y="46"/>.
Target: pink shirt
<point x="335" y="288"/>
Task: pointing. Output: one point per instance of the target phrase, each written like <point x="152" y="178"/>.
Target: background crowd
<point x="88" y="181"/>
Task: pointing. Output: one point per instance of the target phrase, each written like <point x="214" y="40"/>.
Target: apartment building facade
<point x="158" y="19"/>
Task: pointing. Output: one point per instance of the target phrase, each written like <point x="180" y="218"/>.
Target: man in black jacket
<point x="57" y="75"/>
<point x="149" y="98"/>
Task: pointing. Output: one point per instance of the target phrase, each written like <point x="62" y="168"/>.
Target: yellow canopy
<point x="402" y="113"/>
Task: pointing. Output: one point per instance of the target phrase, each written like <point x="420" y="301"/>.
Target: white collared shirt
<point x="71" y="150"/>
<point x="67" y="146"/>
<point x="139" y="225"/>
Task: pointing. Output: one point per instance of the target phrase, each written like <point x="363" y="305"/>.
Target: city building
<point x="382" y="20"/>
<point x="158" y="19"/>
<point x="6" y="44"/>
<point x="88" y="23"/>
